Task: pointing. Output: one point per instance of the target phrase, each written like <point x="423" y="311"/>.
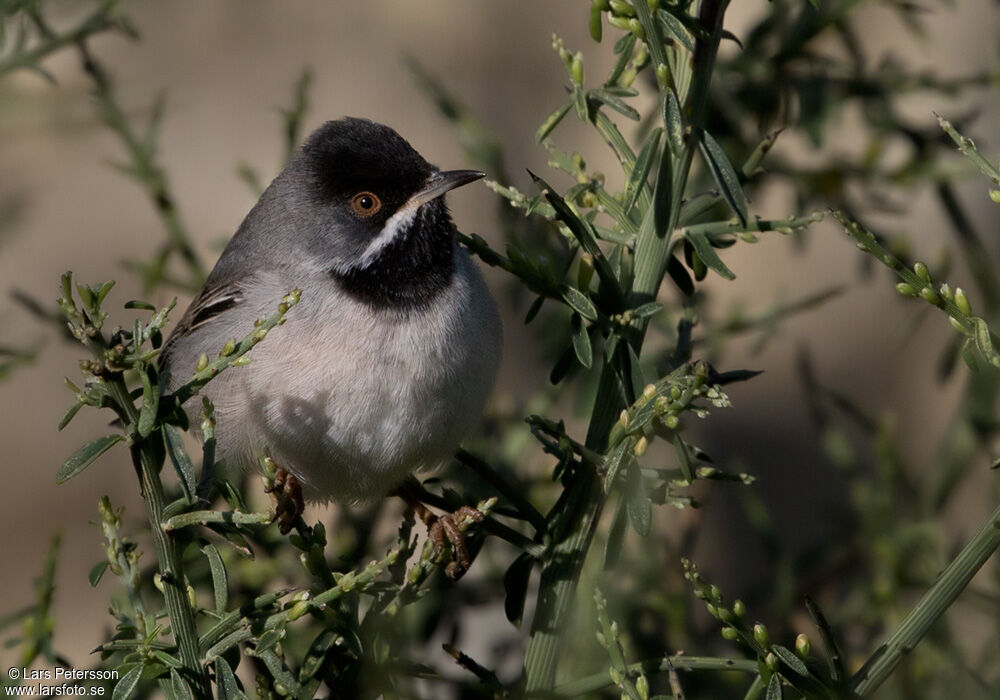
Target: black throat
<point x="412" y="270"/>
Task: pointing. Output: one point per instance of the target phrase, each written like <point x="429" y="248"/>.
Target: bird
<point x="387" y="361"/>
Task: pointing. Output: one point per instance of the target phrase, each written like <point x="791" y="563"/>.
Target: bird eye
<point x="365" y="204"/>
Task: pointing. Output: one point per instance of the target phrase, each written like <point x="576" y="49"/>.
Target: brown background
<point x="227" y="65"/>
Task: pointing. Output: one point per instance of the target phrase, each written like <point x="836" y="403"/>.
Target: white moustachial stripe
<point x="397" y="224"/>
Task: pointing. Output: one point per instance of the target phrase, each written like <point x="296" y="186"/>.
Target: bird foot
<point x="288" y="497"/>
<point x="448" y="527"/>
<point x="445" y="529"/>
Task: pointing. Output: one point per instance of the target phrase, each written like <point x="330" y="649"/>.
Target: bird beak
<point x="441" y="182"/>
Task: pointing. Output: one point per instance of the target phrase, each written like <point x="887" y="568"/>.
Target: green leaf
<point x="85" y="456"/>
<point x="126" y="685"/>
<point x="637" y="178"/>
<point x="579" y="302"/>
<point x="581" y="342"/>
<point x="613" y="101"/>
<point x="774" y="687"/>
<point x="515" y="585"/>
<point x="167" y="660"/>
<point x="580" y="103"/>
<point x="563" y="366"/>
<point x="150" y="404"/>
<point x="984" y="342"/>
<point x="679" y="274"/>
<point x="533" y="310"/>
<point x="552" y="122"/>
<point x="790" y="659"/>
<point x="623" y="49"/>
<point x="584" y="233"/>
<point x="142" y="305"/>
<point x="673" y="27"/>
<point x="179" y="686"/>
<point x="182" y="463"/>
<point x="225" y="681"/>
<point x="616" y="535"/>
<point x="675" y="123"/>
<point x="725" y="176"/>
<point x="706" y="253"/>
<point x="650" y="308"/>
<point x="969" y="355"/>
<point x="220" y="581"/>
<point x="621" y="455"/>
<point x="69" y="415"/>
<point x="96" y="572"/>
<point x="102" y="291"/>
<point x="640" y="507"/>
<point x="683" y="457"/>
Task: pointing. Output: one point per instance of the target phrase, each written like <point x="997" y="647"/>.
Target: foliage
<point x="613" y="269"/>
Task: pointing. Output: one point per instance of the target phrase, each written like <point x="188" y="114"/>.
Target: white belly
<point x="358" y="401"/>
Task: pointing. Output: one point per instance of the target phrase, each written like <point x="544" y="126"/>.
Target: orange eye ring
<point x="365" y="204"/>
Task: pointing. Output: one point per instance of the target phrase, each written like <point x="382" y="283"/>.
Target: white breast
<point x="351" y="400"/>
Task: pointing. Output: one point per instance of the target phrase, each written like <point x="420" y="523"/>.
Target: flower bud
<point x="930" y="296"/>
<point x="662" y="75"/>
<point x="596" y="27"/>
<point x="760" y="635"/>
<point x="640" y="446"/>
<point x="922" y="272"/>
<point x="962" y="301"/>
<point x="995" y="196"/>
<point x="202" y="362"/>
<point x="730" y="634"/>
<point x="739" y="608"/>
<point x="642" y="687"/>
<point x="635" y="27"/>
<point x="906" y="289"/>
<point x="802" y="646"/>
<point x="576" y="69"/>
<point x="771" y="661"/>
<point x="956" y="324"/>
<point x="622" y="8"/>
<point x="619" y="22"/>
<point x="298" y="610"/>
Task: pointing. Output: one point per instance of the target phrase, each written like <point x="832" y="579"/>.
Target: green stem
<point x="652" y="251"/>
<point x="932" y="606"/>
<point x="579" y="509"/>
<point x="203" y="517"/>
<point x="98" y="21"/>
<point x="148" y="460"/>
<point x="590" y="684"/>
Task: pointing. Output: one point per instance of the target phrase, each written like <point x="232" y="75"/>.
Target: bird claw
<point x="441" y="528"/>
<point x="288" y="497"/>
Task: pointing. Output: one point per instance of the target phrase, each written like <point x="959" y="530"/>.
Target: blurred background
<point x="227" y="66"/>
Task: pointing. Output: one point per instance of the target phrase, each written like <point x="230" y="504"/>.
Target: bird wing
<point x="211" y="302"/>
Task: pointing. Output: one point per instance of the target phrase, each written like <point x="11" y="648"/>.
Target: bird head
<point x="378" y="204"/>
